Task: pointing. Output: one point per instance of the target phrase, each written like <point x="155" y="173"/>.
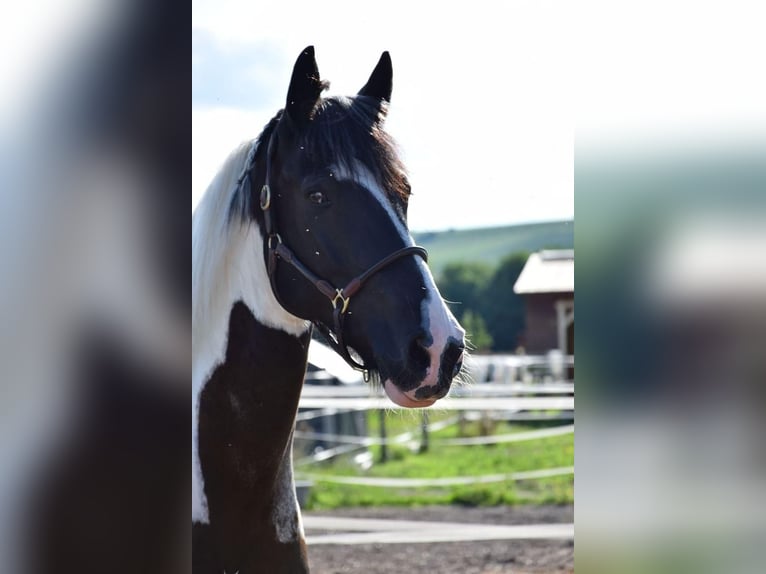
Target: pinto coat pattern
<point x="324" y="181"/>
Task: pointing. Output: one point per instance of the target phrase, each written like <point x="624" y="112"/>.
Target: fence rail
<point x="385" y="482"/>
<point x="412" y="436"/>
<point x="474" y="390"/>
<point x="447" y="404"/>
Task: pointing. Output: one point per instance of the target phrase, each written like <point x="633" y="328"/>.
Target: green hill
<point x="491" y="244"/>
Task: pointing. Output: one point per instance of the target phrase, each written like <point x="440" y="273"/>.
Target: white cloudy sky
<point x="488" y="94"/>
<point x="480" y="106"/>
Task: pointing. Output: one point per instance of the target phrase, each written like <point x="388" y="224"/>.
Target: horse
<point x="303" y="228"/>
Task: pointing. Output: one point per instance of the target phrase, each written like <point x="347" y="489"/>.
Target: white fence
<point x="508" y="388"/>
<point x="520" y="388"/>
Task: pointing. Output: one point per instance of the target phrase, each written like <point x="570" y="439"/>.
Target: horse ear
<point x="305" y="88"/>
<point x="380" y="82"/>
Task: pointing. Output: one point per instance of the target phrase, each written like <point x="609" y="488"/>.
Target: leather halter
<point x="339" y="297"/>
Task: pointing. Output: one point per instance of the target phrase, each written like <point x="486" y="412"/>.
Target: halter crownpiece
<point x="339" y="298"/>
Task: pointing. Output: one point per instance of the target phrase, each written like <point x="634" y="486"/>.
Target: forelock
<point x="348" y="131"/>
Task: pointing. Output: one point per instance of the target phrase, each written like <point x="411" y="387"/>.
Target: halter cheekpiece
<point x="339" y="298"/>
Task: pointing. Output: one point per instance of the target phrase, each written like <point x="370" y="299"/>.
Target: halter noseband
<point x="339" y="298"/>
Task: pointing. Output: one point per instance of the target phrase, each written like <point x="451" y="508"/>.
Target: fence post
<point x="383" y="445"/>
<point x="424" y="431"/>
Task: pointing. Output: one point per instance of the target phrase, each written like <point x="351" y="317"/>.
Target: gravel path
<point x="487" y="557"/>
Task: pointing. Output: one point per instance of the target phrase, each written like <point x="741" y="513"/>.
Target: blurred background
<point x="670" y="190"/>
<point x="672" y="318"/>
<point x="94" y="296"/>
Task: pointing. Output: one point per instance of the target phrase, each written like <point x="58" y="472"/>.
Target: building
<point x="547" y="285"/>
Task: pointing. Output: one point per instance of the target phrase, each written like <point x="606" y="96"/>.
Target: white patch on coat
<point x="286" y="515"/>
<point x="441" y="323"/>
<point x="362" y="177"/>
<point x="227" y="266"/>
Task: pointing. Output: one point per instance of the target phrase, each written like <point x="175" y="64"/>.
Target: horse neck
<point x="249" y="358"/>
<point x="227" y="267"/>
<point x="246" y="415"/>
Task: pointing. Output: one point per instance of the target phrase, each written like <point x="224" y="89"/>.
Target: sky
<point x="480" y="105"/>
<point x="491" y="99"/>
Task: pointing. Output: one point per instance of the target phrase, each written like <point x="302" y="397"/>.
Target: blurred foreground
<point x="94" y="297"/>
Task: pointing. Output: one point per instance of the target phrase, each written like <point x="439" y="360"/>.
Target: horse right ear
<point x="305" y="88"/>
<point x="380" y="82"/>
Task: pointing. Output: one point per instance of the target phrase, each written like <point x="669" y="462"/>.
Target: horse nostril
<point x="418" y="352"/>
<point x="419" y="344"/>
<point x="457" y="367"/>
<point x="423" y="340"/>
<point x="453" y="358"/>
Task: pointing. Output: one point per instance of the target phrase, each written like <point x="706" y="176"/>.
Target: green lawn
<point x="448" y="461"/>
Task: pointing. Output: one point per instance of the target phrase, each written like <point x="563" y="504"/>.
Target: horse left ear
<point x="380" y="82"/>
<point x="305" y="88"/>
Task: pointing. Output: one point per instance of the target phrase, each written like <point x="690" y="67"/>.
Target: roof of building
<point x="548" y="271"/>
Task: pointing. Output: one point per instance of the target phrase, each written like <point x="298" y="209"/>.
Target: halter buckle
<point x="265" y="197"/>
<point x="339" y="295"/>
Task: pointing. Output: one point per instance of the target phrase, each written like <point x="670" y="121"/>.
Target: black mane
<point x="243" y="203"/>
<point x="344" y="131"/>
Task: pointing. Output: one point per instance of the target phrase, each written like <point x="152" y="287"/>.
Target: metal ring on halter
<point x="274" y="236"/>
<point x="265" y="197"/>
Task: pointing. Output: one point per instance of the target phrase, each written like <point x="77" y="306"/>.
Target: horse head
<point x="333" y="213"/>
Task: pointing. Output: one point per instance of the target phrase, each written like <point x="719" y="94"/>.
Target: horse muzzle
<point x="445" y="365"/>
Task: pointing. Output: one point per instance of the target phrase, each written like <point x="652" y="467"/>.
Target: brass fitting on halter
<point x="339" y="295"/>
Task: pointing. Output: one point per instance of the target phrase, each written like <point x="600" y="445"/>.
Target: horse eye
<point x="317" y="197"/>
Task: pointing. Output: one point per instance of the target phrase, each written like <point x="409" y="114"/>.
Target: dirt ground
<point x="484" y="557"/>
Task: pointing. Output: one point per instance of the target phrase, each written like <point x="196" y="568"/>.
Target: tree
<point x="501" y="308"/>
<point x="476" y="331"/>
<point x="464" y="284"/>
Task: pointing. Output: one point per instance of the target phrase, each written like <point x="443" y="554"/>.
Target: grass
<point x="447" y="461"/>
